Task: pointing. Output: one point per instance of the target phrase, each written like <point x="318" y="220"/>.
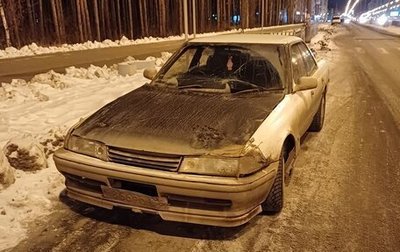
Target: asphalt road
<point x="27" y="67"/>
<point x="344" y="192"/>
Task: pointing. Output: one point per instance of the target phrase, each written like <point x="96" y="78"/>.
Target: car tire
<point x="274" y="202"/>
<point x="319" y="117"/>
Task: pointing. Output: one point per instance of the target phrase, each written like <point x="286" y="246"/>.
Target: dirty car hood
<point x="167" y="120"/>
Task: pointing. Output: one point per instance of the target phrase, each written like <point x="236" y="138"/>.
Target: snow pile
<point x="58" y="81"/>
<point x="20" y="90"/>
<point x="322" y="42"/>
<point x="93" y="72"/>
<point x="25" y="154"/>
<point x="50" y="78"/>
<point x="53" y="140"/>
<point x="6" y="172"/>
<point x="327" y="32"/>
<point x="161" y="61"/>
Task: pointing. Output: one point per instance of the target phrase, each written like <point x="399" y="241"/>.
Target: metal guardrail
<point x="304" y="31"/>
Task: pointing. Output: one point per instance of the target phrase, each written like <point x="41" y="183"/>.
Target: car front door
<point x="303" y="100"/>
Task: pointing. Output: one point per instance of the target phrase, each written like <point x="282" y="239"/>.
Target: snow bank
<point x="34" y="49"/>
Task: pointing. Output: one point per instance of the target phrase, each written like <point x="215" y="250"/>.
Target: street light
<point x="347" y="7"/>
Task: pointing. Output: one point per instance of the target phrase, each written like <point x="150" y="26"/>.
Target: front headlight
<point x="87" y="147"/>
<point x="225" y="167"/>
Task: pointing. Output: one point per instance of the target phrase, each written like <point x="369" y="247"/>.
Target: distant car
<point x="211" y="140"/>
<point x="336" y="20"/>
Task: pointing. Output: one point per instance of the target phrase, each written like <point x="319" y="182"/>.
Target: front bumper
<point x="208" y="200"/>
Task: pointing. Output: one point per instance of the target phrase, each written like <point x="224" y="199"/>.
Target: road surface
<point x="344" y="194"/>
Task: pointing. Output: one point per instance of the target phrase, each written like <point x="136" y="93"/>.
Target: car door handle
<point x="312" y="92"/>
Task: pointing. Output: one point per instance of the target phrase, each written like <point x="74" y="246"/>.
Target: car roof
<point x="246" y="38"/>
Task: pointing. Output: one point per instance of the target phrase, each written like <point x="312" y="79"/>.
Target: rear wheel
<point x="319" y="118"/>
<point x="274" y="202"/>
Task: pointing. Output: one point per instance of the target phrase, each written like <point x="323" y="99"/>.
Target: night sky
<point x="341" y="4"/>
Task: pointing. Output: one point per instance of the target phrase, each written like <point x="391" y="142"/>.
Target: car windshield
<point x="225" y="68"/>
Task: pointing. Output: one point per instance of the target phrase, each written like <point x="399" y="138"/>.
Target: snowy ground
<point x="41" y="111"/>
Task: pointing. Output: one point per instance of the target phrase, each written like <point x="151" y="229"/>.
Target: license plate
<point x="134" y="198"/>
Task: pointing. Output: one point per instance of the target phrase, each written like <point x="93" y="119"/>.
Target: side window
<point x="311" y="66"/>
<point x="298" y="64"/>
<point x="182" y="64"/>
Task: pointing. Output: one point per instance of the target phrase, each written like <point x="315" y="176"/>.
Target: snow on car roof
<point x="246" y="38"/>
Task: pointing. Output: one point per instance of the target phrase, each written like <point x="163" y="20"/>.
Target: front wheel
<point x="274" y="202"/>
<point x="319" y="118"/>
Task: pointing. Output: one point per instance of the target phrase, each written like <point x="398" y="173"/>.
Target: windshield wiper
<point x="258" y="89"/>
<point x="190" y="86"/>
<point x="160" y="81"/>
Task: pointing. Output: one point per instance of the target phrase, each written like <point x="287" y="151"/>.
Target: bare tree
<point x="79" y="16"/>
<point x="119" y="18"/>
<point x="96" y="19"/>
<point x="4" y="20"/>
<point x="41" y="18"/>
<point x="130" y="19"/>
<point x="55" y="19"/>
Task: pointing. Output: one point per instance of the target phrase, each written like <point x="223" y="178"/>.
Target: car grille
<point x="144" y="159"/>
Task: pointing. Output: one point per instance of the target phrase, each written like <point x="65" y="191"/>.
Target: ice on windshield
<point x="214" y="66"/>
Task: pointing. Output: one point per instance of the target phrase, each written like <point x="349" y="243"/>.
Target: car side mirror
<point x="149" y="73"/>
<point x="306" y="83"/>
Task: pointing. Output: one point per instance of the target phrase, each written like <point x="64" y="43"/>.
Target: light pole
<point x="308" y="22"/>
<point x="194" y="17"/>
<point x="262" y="14"/>
<point x="185" y="19"/>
